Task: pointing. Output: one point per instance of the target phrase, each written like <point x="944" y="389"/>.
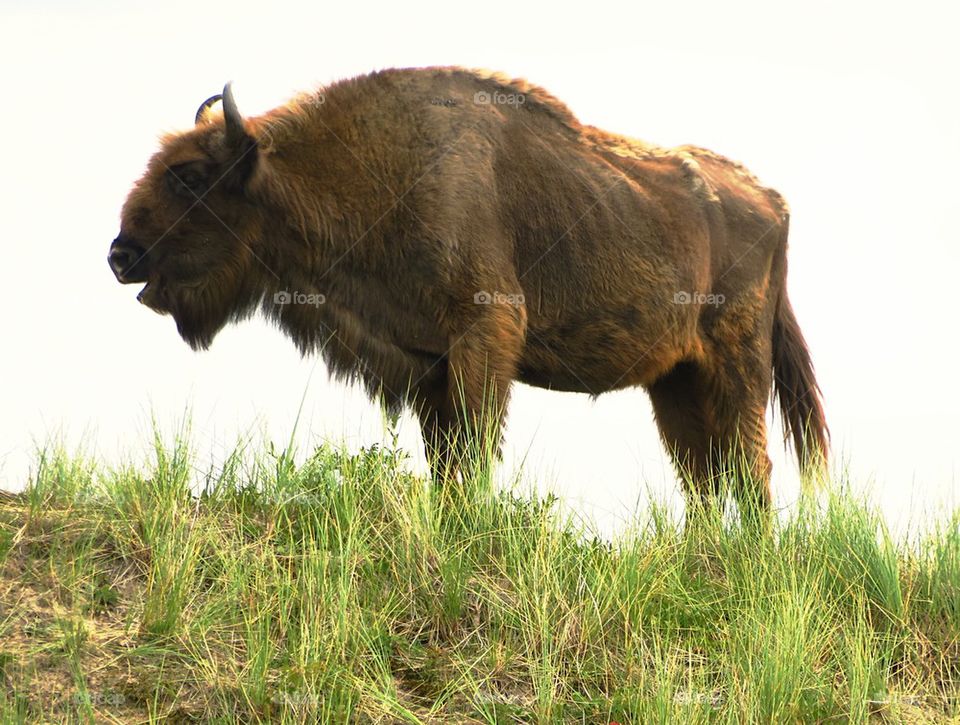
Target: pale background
<point x="850" y="111"/>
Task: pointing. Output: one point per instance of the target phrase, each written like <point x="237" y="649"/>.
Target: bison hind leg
<point x="712" y="423"/>
<point x="684" y="417"/>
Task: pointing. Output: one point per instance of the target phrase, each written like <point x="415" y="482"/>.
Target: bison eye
<point x="189" y="179"/>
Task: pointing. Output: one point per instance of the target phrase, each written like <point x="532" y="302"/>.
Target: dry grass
<point x="346" y="588"/>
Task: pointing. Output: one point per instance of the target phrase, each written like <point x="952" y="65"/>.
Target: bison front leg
<point x="437" y="424"/>
<point x="464" y="430"/>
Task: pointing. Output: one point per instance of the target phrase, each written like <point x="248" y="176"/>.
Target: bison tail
<point x="796" y="391"/>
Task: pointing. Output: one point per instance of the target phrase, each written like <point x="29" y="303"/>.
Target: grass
<point x="347" y="589"/>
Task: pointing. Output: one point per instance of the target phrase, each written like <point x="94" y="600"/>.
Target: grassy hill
<point x="346" y="588"/>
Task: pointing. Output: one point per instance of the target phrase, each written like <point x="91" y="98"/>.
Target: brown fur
<point x="398" y="197"/>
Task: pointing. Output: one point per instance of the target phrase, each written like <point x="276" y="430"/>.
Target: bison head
<point x="189" y="229"/>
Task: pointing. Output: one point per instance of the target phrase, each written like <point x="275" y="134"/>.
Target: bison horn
<point x="204" y="106"/>
<point x="232" y="117"/>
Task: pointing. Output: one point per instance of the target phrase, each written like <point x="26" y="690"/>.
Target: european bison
<point x="438" y="233"/>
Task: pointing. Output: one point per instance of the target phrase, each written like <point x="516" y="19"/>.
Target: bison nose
<point x="128" y="260"/>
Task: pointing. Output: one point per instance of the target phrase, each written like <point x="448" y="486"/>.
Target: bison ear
<point x="240" y="148"/>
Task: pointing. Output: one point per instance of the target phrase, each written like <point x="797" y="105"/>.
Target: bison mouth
<point x="151" y="296"/>
<point x="163" y="300"/>
<point x="198" y="312"/>
<point x="199" y="309"/>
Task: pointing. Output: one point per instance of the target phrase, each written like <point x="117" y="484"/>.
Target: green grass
<point x="346" y="588"/>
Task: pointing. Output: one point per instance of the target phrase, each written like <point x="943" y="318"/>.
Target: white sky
<point x="851" y="112"/>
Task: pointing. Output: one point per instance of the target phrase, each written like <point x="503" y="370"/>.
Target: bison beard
<point x="458" y="231"/>
<point x="201" y="312"/>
